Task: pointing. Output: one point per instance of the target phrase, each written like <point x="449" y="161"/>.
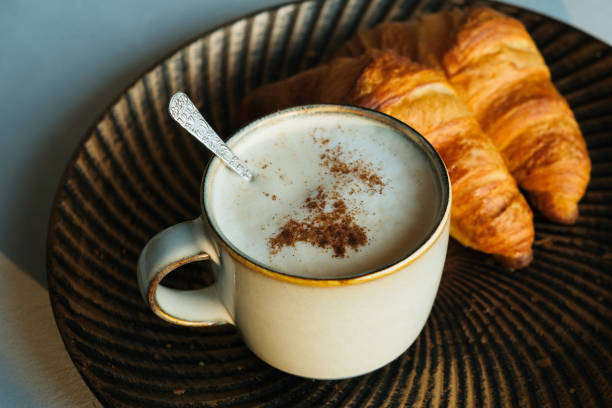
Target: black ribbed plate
<point x="536" y="337"/>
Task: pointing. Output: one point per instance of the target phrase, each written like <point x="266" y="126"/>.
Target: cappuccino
<point x="334" y="196"/>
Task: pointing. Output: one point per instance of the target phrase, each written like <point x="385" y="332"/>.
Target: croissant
<point x="497" y="70"/>
<point x="488" y="212"/>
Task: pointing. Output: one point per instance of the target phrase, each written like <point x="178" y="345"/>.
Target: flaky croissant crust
<point x="521" y="110"/>
<point x="497" y="70"/>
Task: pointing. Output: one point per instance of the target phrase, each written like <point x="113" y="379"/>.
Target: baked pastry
<point x="488" y="211"/>
<point x="497" y="70"/>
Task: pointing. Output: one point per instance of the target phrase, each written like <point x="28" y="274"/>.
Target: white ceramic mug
<point x="316" y="328"/>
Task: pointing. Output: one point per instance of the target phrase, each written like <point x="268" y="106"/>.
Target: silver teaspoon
<point x="187" y="115"/>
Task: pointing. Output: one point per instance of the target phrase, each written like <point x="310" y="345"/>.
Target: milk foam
<point x="286" y="159"/>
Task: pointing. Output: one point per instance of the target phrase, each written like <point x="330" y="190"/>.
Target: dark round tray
<point x="536" y="337"/>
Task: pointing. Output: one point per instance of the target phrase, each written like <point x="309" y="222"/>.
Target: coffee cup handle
<point x="175" y="246"/>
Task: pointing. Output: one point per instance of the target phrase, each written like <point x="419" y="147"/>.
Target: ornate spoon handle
<point x="187" y="115"/>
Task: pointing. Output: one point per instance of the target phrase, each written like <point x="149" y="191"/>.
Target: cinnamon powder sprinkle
<point x="358" y="169"/>
<point x="335" y="229"/>
<point x="329" y="222"/>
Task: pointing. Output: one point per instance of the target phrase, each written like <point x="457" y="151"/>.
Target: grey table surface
<point x="61" y="63"/>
